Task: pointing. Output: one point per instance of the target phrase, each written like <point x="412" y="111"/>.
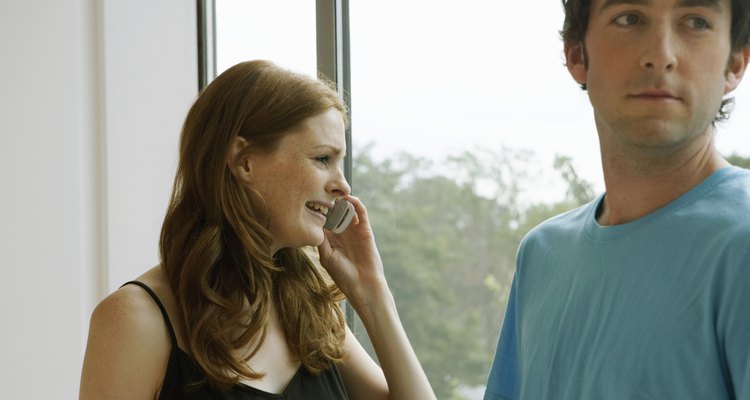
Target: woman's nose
<point x="338" y="185"/>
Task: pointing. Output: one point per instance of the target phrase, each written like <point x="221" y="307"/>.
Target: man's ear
<point x="736" y="68"/>
<point x="575" y="60"/>
<point x="238" y="158"/>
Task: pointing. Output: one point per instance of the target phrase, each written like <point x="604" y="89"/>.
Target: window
<point x="466" y="132"/>
<point x="279" y="31"/>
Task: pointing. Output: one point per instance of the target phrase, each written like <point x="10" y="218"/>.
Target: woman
<point x="235" y="309"/>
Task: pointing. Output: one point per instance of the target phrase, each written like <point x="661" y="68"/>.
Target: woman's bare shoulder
<point x="128" y="346"/>
<point x="128" y="307"/>
<point x="132" y="307"/>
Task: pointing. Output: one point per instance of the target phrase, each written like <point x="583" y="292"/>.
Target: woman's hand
<point x="352" y="259"/>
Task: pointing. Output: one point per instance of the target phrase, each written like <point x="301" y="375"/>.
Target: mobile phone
<point x="340" y="216"/>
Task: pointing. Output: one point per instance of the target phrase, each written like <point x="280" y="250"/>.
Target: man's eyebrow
<point x="715" y="4"/>
<point x="610" y="3"/>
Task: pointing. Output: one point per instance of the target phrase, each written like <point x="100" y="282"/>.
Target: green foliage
<point x="448" y="238"/>
<point x="736" y="159"/>
<point x="579" y="191"/>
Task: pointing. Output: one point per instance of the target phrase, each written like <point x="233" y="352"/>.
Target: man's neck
<point x="638" y="184"/>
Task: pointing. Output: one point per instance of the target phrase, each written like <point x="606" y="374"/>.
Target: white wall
<point x="92" y="98"/>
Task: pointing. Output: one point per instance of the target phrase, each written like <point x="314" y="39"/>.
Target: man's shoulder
<point x="726" y="201"/>
<point x="571" y="220"/>
<point x="733" y="183"/>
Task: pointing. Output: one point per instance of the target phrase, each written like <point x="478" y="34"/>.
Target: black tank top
<point x="185" y="380"/>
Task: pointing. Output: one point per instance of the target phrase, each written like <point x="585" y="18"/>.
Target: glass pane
<point x="468" y="131"/>
<point x="279" y="31"/>
<point x="732" y="137"/>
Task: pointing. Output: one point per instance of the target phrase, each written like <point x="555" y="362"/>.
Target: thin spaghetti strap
<point x="161" y="307"/>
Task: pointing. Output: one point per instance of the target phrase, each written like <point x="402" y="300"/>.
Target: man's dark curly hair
<point x="577" y="20"/>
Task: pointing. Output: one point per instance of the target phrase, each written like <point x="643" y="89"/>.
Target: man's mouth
<point x="656" y="94"/>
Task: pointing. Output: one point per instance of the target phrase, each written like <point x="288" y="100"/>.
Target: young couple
<point x="641" y="294"/>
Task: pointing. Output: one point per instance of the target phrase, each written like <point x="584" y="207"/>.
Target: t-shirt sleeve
<point x="502" y="383"/>
<point x="735" y="324"/>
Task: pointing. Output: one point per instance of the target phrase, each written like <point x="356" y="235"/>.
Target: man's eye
<point x="323" y="159"/>
<point x="698" y="23"/>
<point x="628" y="20"/>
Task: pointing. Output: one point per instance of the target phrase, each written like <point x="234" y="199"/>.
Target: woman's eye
<point x="628" y="20"/>
<point x="325" y="160"/>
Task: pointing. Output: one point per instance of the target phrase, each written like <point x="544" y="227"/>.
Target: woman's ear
<point x="238" y="160"/>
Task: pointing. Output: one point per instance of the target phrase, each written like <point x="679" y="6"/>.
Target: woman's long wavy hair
<point x="215" y="245"/>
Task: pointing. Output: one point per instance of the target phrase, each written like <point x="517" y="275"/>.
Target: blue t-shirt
<point x="657" y="308"/>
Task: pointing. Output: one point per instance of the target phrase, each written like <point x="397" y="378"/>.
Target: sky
<point x="434" y="78"/>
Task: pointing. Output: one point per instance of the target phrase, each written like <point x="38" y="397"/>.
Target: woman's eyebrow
<point x="333" y="148"/>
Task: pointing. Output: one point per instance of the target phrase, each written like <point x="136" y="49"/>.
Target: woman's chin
<point x="320" y="240"/>
<point x="314" y="240"/>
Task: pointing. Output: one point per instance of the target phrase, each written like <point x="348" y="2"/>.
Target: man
<point x="645" y="292"/>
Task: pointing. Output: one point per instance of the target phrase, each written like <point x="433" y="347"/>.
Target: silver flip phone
<point x="340" y="216"/>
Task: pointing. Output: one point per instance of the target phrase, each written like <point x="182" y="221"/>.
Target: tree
<point x="736" y="159"/>
<point x="448" y="236"/>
